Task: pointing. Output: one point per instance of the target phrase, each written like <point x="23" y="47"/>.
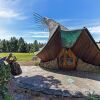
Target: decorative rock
<point x="66" y="93"/>
<point x="50" y="64"/>
<point x="58" y="92"/>
<point x="21" y="96"/>
<point x="52" y="92"/>
<point x="82" y="66"/>
<point x="49" y="91"/>
<point x="35" y="58"/>
<point x="78" y="94"/>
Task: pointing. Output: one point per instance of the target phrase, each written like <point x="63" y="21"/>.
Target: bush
<point x="92" y="96"/>
<point x="5" y="76"/>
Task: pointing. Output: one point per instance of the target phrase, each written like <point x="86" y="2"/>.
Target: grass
<point x="22" y="57"/>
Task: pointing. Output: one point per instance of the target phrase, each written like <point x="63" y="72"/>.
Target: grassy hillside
<point x="20" y="56"/>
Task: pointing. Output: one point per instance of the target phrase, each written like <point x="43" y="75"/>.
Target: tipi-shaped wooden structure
<point x="67" y="46"/>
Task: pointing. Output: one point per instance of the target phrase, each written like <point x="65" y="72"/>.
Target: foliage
<point x="92" y="96"/>
<point x="5" y="76"/>
<point x="13" y="44"/>
<point x="36" y="48"/>
<point x="19" y="45"/>
<point x="22" y="45"/>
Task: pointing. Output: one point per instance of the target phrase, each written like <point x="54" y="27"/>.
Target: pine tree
<point x="22" y="47"/>
<point x="19" y="45"/>
<point x="4" y="46"/>
<point x="36" y="46"/>
<point x="13" y="44"/>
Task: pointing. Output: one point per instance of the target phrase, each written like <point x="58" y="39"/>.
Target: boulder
<point x="82" y="66"/>
<point x="50" y="64"/>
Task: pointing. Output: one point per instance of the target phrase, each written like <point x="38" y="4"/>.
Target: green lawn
<point x="20" y="56"/>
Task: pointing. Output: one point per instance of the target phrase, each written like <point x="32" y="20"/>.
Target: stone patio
<point x="59" y="83"/>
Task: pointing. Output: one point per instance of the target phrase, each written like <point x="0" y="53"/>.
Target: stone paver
<point x="58" y="82"/>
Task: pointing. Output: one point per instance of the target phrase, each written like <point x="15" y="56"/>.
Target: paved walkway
<point x="59" y="82"/>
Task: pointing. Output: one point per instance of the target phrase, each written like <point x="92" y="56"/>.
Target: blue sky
<point x="16" y="17"/>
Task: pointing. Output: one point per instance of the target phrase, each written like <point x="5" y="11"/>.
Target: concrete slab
<point x="58" y="82"/>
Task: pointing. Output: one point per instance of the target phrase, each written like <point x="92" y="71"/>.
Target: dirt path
<point x="28" y="63"/>
<point x="68" y="83"/>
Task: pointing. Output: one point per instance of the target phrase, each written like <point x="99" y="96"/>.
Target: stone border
<point x="48" y="91"/>
<point x="50" y="64"/>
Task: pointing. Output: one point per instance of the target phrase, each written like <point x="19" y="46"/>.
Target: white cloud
<point x="8" y="14"/>
<point x="4" y="35"/>
<point x="64" y="20"/>
<point x="42" y="33"/>
<point x="11" y="14"/>
<point x="29" y="38"/>
<point x="39" y="36"/>
<point x="95" y="29"/>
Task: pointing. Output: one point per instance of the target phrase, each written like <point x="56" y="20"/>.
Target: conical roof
<point x="79" y="41"/>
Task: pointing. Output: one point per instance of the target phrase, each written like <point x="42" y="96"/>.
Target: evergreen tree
<point x="31" y="47"/>
<point x="28" y="47"/>
<point x="13" y="44"/>
<point x="40" y="45"/>
<point x="1" y="46"/>
<point x="22" y="47"/>
<point x="8" y="46"/>
<point x="4" y="45"/>
<point x="36" y="46"/>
